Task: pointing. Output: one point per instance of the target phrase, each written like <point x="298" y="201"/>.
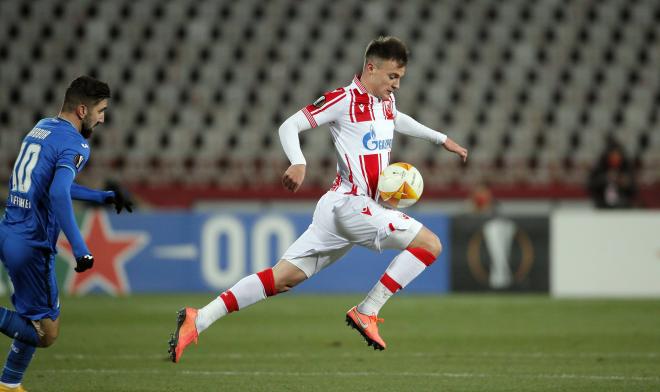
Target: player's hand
<point x="456" y="148"/>
<point x="83" y="263"/>
<point x="120" y="201"/>
<point x="293" y="177"/>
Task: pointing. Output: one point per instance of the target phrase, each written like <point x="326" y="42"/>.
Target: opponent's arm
<point x="295" y="174"/>
<point x="114" y="197"/>
<point x="60" y="198"/>
<point x="80" y="192"/>
<point x="405" y="124"/>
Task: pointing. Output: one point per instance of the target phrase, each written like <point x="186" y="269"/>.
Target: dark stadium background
<point x="536" y="90"/>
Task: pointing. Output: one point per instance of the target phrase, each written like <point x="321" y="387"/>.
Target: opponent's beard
<point x="86" y="129"/>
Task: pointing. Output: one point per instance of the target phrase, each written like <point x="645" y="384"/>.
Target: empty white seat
<point x="529" y="70"/>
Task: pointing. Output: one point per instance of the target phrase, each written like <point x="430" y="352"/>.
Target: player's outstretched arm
<point x="60" y="198"/>
<point x="82" y="193"/>
<point x="115" y="197"/>
<point x="456" y="148"/>
<point x="409" y="126"/>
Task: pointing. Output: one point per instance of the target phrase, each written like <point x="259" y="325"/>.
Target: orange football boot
<point x="367" y="326"/>
<point x="186" y="333"/>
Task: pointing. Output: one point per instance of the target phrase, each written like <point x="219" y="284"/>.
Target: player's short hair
<point x="85" y="90"/>
<point x="387" y="48"/>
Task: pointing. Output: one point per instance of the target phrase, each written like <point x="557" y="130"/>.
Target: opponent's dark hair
<point x="85" y="90"/>
<point x="387" y="48"/>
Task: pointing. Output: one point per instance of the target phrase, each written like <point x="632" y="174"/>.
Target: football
<point x="400" y="185"/>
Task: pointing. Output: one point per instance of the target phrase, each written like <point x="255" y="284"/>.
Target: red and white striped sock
<point x="247" y="291"/>
<point x="405" y="267"/>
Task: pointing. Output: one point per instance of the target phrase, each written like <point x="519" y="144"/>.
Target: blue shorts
<point x="32" y="272"/>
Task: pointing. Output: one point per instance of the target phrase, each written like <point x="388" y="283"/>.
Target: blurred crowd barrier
<point x="564" y="253"/>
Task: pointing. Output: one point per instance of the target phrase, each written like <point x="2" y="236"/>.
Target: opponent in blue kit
<point x="38" y="206"/>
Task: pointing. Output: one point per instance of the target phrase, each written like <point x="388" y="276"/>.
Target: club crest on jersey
<point x="320" y="101"/>
<point x="389" y="113"/>
<point x="371" y="143"/>
<point x="78" y="160"/>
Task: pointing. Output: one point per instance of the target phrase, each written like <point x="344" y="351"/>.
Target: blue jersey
<point x="52" y="143"/>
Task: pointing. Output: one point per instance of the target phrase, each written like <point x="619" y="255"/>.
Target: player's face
<point x="385" y="76"/>
<point x="95" y="116"/>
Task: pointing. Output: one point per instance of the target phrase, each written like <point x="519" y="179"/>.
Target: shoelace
<point x="375" y="319"/>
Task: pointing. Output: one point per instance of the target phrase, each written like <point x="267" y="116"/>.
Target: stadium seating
<point x="533" y="88"/>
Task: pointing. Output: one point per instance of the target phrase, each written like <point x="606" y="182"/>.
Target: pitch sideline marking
<point x="355" y="374"/>
<point x="650" y="355"/>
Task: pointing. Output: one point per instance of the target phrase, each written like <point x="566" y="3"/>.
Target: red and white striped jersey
<point x="362" y="128"/>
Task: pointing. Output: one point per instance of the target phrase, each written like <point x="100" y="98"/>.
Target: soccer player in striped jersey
<point x="362" y="117"/>
<point x="38" y="206"/>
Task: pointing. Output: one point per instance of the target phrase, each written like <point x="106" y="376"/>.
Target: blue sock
<point x="17" y="327"/>
<point x="18" y="360"/>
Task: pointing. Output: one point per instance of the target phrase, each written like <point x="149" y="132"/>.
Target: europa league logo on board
<point x="500" y="254"/>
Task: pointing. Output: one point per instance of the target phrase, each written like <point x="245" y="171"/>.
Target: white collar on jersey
<point x="358" y="83"/>
<point x="362" y="89"/>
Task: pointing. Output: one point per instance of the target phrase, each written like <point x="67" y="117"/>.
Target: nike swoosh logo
<point x="357" y="316"/>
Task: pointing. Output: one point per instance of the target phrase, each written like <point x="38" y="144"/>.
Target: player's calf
<point x="286" y="276"/>
<point x="19" y="358"/>
<point x="402" y="270"/>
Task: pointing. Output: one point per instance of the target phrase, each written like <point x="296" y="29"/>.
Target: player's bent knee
<point x="435" y="246"/>
<point x="47" y="340"/>
<point x="48" y="331"/>
<point x="427" y="240"/>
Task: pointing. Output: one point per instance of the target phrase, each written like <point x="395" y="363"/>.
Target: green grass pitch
<point x="301" y="343"/>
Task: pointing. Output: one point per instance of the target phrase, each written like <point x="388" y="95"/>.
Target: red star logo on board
<point x="110" y="250"/>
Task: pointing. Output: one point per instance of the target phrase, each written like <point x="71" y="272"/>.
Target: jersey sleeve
<point x="409" y="126"/>
<point x="73" y="156"/>
<point x="60" y="198"/>
<point x="327" y="108"/>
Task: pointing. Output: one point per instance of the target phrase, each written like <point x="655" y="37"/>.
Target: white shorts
<point x="341" y="221"/>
